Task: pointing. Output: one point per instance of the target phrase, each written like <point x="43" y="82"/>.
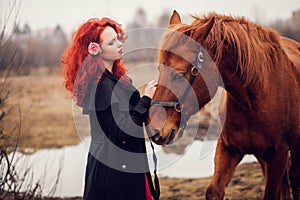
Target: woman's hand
<point x="150" y="89"/>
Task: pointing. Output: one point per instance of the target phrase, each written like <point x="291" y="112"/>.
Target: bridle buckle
<point x="178" y="107"/>
<point x="195" y="71"/>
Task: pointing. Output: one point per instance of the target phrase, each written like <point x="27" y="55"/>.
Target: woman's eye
<point x="178" y="76"/>
<point x="112" y="42"/>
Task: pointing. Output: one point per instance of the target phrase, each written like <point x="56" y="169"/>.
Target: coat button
<point x="123" y="142"/>
<point x="124" y="167"/>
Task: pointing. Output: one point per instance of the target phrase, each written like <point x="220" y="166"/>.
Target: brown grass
<point x="247" y="183"/>
<point x="46" y="109"/>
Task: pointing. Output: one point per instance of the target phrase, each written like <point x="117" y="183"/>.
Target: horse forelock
<point x="177" y="41"/>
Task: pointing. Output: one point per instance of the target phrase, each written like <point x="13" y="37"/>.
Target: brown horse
<point x="260" y="72"/>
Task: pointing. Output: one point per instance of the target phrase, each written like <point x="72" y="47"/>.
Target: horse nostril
<point x="173" y="130"/>
<point x="171" y="136"/>
<point x="156" y="135"/>
<point x="156" y="131"/>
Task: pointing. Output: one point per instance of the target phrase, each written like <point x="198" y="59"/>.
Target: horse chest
<point x="245" y="133"/>
<point x="246" y="142"/>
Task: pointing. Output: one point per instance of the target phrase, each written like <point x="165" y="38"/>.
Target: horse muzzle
<point x="158" y="138"/>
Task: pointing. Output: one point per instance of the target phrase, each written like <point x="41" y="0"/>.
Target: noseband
<point x="178" y="104"/>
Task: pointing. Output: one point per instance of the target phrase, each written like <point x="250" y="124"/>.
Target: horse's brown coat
<point x="260" y="72"/>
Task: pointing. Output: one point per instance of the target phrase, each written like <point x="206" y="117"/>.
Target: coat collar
<point x="109" y="75"/>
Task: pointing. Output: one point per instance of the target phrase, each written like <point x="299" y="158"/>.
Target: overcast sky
<point x="71" y="13"/>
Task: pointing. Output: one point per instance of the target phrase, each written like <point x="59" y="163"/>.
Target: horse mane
<point x="251" y="43"/>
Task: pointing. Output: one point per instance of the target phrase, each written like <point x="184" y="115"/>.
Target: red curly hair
<point x="79" y="68"/>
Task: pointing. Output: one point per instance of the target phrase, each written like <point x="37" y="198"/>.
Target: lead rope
<point x="155" y="189"/>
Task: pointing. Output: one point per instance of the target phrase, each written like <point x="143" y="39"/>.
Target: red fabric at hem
<point x="148" y="193"/>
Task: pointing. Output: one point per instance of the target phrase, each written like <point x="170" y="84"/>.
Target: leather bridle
<point x="178" y="103"/>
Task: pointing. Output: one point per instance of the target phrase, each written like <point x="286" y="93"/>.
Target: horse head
<point x="188" y="79"/>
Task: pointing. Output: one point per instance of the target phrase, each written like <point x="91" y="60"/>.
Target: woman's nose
<point x="120" y="44"/>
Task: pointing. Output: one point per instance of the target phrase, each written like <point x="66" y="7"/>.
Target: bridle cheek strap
<point x="178" y="104"/>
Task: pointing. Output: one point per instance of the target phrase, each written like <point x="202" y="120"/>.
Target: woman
<point x="117" y="166"/>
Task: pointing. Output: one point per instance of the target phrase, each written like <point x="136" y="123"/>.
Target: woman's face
<point x="112" y="47"/>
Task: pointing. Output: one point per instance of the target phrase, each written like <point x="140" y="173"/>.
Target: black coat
<point x="117" y="160"/>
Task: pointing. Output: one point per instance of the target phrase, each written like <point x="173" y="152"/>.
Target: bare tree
<point x="11" y="180"/>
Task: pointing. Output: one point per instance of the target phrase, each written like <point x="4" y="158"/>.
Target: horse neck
<point x="238" y="93"/>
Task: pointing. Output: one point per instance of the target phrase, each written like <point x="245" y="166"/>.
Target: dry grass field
<point x="46" y="113"/>
<point x="247" y="184"/>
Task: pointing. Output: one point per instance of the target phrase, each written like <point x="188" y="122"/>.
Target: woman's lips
<point x="120" y="51"/>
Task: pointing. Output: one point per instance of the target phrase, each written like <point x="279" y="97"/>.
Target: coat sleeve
<point x="116" y="117"/>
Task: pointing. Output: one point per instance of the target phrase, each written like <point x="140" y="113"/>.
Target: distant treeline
<point x="28" y="50"/>
<point x="31" y="50"/>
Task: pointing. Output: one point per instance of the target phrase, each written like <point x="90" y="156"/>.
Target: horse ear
<point x="175" y="18"/>
<point x="201" y="32"/>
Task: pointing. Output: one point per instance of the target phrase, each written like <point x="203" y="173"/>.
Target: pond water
<point x="68" y="164"/>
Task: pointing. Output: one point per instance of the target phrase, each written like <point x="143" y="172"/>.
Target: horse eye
<point x="178" y="76"/>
